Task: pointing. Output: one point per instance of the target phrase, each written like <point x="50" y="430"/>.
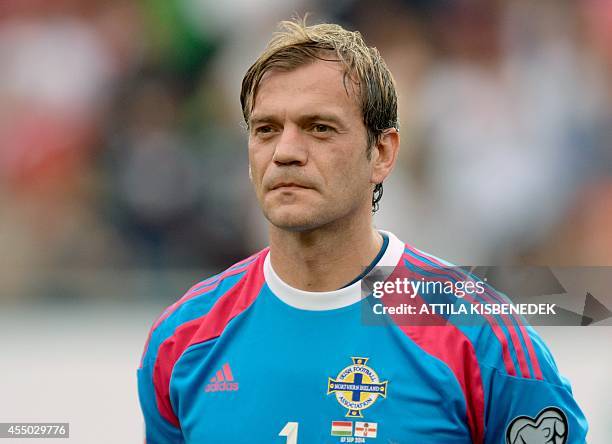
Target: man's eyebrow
<point x="262" y="119"/>
<point x="304" y="119"/>
<point x="325" y="117"/>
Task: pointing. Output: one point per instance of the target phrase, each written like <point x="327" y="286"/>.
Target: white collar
<point x="328" y="300"/>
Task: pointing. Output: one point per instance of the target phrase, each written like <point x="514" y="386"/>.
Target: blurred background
<point x="123" y="170"/>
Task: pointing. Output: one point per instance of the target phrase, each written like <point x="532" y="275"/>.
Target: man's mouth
<point x="289" y="185"/>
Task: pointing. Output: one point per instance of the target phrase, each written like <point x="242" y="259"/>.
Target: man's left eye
<point x="320" y="128"/>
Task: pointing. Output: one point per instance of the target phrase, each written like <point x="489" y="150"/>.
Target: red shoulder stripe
<point x="213" y="279"/>
<point x="497" y="331"/>
<point x="447" y="343"/>
<point x="202" y="329"/>
<point x="201" y="288"/>
<point x="512" y="330"/>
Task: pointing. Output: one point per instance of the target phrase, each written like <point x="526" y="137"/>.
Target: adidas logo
<point x="223" y="381"/>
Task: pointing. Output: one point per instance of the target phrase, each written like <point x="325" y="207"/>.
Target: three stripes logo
<point x="223" y="381"/>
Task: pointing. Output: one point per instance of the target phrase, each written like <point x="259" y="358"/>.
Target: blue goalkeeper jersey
<point x="243" y="357"/>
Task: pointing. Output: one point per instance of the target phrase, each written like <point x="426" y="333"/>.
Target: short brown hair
<point x="297" y="44"/>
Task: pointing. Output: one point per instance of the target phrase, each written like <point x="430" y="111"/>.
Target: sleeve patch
<point x="549" y="426"/>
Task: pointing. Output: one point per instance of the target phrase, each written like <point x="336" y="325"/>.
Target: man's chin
<point x="295" y="221"/>
<point x="295" y="226"/>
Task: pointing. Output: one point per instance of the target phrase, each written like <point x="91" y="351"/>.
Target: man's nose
<point x="291" y="147"/>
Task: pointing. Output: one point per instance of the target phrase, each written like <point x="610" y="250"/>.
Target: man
<point x="275" y="350"/>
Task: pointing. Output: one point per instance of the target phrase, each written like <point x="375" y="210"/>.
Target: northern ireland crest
<point x="357" y="387"/>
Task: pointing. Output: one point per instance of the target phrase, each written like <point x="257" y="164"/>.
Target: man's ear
<point x="384" y="155"/>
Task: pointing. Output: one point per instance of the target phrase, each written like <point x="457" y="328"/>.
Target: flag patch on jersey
<point x="342" y="428"/>
<point x="366" y="429"/>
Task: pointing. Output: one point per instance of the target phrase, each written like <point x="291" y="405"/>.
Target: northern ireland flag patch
<point x="366" y="429"/>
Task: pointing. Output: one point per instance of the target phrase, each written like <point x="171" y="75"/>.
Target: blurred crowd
<point x="121" y="144"/>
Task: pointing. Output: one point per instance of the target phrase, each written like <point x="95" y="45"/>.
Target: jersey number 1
<point x="291" y="432"/>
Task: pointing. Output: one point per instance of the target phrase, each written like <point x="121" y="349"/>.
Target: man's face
<point x="307" y="148"/>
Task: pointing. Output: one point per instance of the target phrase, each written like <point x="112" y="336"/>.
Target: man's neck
<point x="324" y="259"/>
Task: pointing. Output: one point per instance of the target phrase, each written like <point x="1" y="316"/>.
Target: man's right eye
<point x="263" y="129"/>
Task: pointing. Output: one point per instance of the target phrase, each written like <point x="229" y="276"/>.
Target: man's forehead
<point x="319" y="84"/>
<point x="317" y="75"/>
